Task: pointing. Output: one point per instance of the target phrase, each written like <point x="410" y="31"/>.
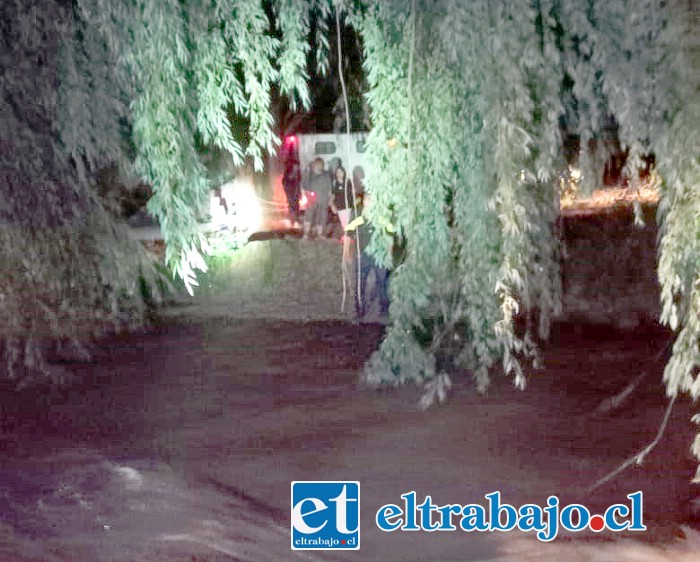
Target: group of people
<point x="326" y="192"/>
<point x="332" y="192"/>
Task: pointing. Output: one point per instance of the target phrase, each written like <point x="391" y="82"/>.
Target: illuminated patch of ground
<point x="609" y="198"/>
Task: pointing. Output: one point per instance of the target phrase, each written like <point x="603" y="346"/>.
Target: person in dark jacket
<point x="363" y="230"/>
<point x="318" y="189"/>
<point x="342" y="201"/>
<point x="292" y="189"/>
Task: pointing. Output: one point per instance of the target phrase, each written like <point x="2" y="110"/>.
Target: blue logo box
<point x="325" y="515"/>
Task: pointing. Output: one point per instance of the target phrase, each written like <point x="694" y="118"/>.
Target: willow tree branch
<point x="618" y="399"/>
<point x="410" y="85"/>
<point x="641" y="455"/>
<point x="349" y="167"/>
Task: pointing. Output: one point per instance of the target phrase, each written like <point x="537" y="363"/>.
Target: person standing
<point x="363" y="230"/>
<point x="318" y="189"/>
<point x="292" y="189"/>
<point x="342" y="202"/>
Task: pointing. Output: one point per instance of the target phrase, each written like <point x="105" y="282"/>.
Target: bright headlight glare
<point x="244" y="209"/>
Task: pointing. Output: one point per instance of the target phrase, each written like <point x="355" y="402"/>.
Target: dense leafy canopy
<point x="466" y="99"/>
<point x="183" y="65"/>
<point x="470" y="181"/>
<point x="67" y="267"/>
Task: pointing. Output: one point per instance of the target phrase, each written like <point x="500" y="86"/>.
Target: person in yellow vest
<point x="362" y="229"/>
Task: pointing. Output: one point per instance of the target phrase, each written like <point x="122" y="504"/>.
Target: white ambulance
<point x="335" y="148"/>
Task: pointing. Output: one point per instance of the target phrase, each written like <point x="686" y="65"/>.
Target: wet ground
<point x="181" y="443"/>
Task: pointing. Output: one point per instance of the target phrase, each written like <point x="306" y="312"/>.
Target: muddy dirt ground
<point x="181" y="443"/>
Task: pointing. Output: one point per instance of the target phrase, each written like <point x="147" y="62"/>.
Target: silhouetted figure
<point x="362" y="229"/>
<point x="292" y="189"/>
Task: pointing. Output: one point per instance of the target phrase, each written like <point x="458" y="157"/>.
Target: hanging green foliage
<point x="475" y="206"/>
<point x="467" y="99"/>
<point x="67" y="266"/>
<point x="185" y="66"/>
